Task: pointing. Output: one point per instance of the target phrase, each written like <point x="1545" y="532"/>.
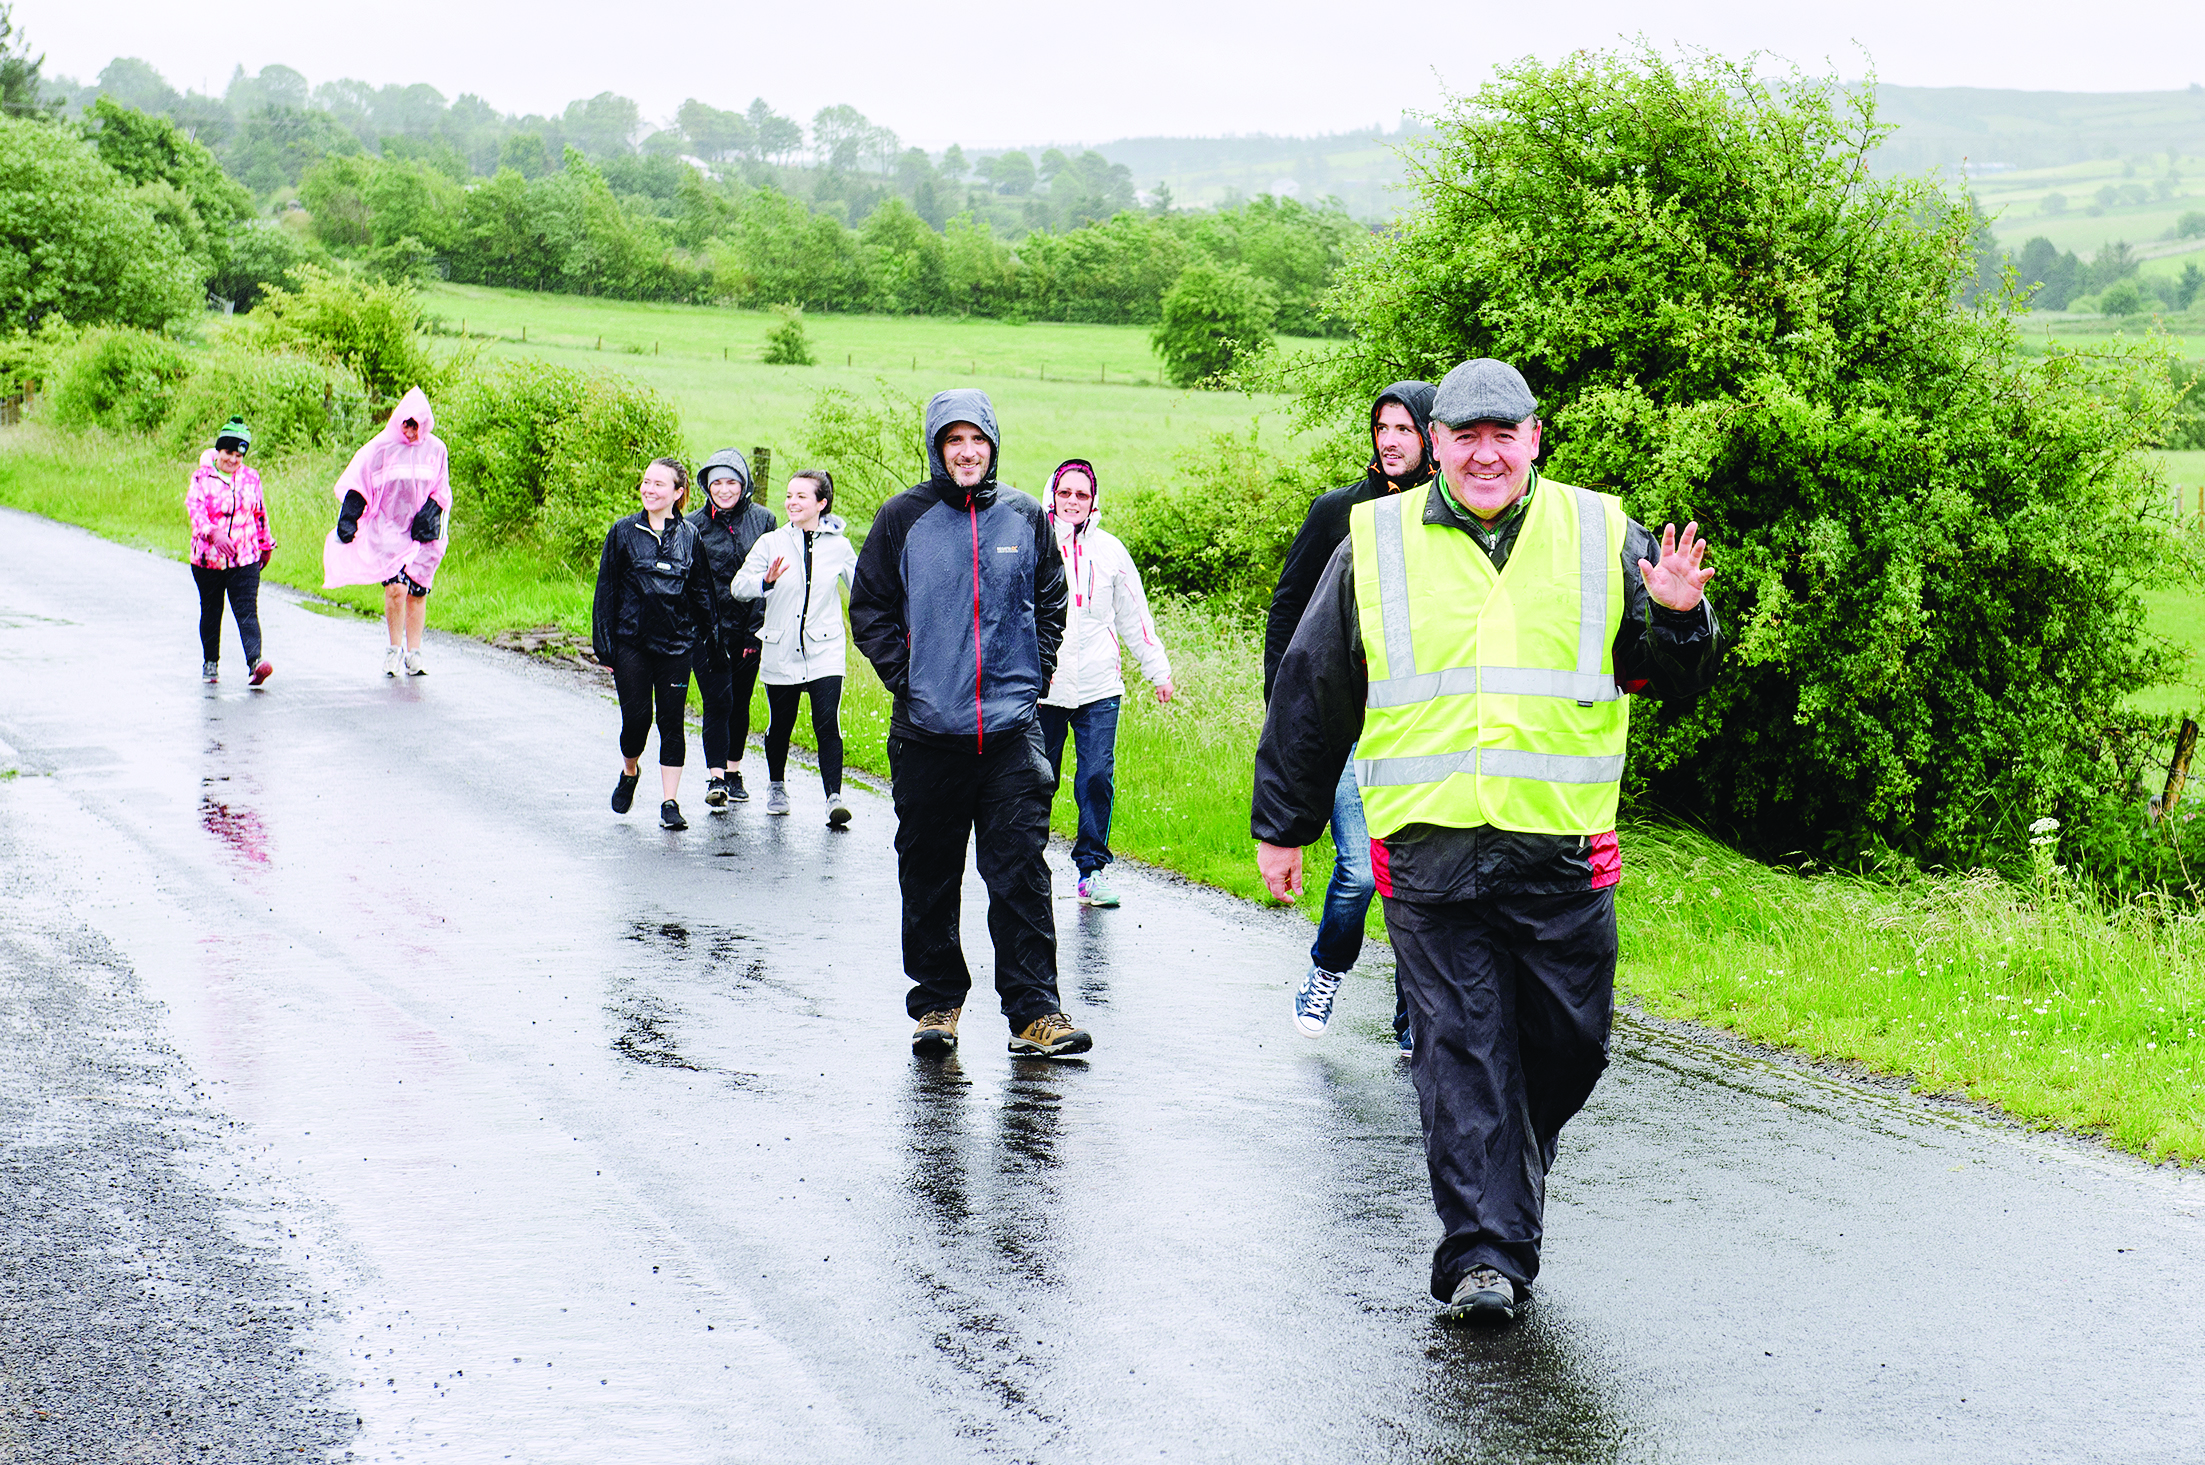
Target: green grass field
<point x="1060" y="391"/>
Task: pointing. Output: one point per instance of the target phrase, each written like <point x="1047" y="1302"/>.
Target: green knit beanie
<point x="235" y="431"/>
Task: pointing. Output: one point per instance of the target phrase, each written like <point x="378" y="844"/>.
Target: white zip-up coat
<point x="802" y="639"/>
<point x="1108" y="607"/>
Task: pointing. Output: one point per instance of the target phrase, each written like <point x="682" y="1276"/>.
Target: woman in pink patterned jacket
<point x="229" y="545"/>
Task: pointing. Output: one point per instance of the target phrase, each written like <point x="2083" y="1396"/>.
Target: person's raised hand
<point x="1165" y="690"/>
<point x="1281" y="868"/>
<point x="773" y="571"/>
<point x="1678" y="581"/>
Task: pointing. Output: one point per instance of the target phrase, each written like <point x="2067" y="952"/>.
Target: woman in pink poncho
<point x="394" y="498"/>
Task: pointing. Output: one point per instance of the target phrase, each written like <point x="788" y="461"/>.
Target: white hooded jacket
<point x="1107" y="607"/>
<point x="802" y="639"/>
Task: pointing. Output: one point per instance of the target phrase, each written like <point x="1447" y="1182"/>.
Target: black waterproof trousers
<point x="1510" y="998"/>
<point x="998" y="799"/>
<point x="639" y="679"/>
<point x="724" y="685"/>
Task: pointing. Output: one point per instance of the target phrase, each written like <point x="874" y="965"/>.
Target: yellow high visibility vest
<point x="1493" y="698"/>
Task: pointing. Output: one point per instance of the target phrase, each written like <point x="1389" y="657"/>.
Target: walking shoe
<point x="394" y="661"/>
<point x="777" y="798"/>
<point x="211" y="671"/>
<point x="262" y="672"/>
<point x="1485" y="1296"/>
<point x="838" y="812"/>
<point x="1407" y="1040"/>
<point x="624" y="792"/>
<point x="1313" y="1003"/>
<point x="736" y="793"/>
<point x="715" y="792"/>
<point x="416" y="664"/>
<point x="1050" y="1037"/>
<point x="936" y="1035"/>
<point x="669" y="816"/>
<point x="1094" y="890"/>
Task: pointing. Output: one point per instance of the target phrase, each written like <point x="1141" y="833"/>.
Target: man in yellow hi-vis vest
<point x="1475" y="643"/>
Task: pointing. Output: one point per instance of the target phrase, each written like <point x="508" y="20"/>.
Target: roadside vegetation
<point x="1909" y="828"/>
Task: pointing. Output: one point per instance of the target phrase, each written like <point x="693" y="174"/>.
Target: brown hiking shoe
<point x="1051" y="1037"/>
<point x="936" y="1035"/>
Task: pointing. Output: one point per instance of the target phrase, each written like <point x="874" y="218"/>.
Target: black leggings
<point x="242" y="585"/>
<point x="638" y="678"/>
<point x="826" y="728"/>
<point x="725" y="685"/>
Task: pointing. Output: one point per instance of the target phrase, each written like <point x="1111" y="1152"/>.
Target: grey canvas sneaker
<point x="777" y="798"/>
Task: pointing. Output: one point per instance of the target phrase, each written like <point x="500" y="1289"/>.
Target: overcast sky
<point x="997" y="73"/>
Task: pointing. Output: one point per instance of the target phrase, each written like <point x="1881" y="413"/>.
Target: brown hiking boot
<point x="1051" y="1037"/>
<point x="936" y="1035"/>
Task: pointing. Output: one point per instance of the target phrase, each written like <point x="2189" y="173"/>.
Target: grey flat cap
<point x="1484" y="390"/>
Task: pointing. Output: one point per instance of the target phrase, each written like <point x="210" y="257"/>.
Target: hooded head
<point x="414" y="407"/>
<point x="962" y="404"/>
<point x="719" y="465"/>
<point x="1085" y="469"/>
<point x="1415" y="398"/>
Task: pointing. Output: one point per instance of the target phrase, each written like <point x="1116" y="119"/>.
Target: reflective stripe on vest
<point x="1451" y="740"/>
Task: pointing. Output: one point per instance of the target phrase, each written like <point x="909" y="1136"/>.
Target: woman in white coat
<point x="801" y="646"/>
<point x="1108" y="610"/>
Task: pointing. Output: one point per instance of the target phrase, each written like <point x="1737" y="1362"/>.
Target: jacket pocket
<point x="771" y="635"/>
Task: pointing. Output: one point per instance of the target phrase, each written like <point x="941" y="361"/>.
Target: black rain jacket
<point x="727" y="538"/>
<point x="1327" y="524"/>
<point x="959" y="596"/>
<point x="654" y="591"/>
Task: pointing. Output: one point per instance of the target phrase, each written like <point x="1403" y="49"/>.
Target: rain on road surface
<point x="371" y="1092"/>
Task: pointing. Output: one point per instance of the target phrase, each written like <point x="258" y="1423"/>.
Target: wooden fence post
<point x="2178" y="771"/>
<point x="761" y="469"/>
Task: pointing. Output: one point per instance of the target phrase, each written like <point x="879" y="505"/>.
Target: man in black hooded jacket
<point x="1401" y="459"/>
<point x="959" y="603"/>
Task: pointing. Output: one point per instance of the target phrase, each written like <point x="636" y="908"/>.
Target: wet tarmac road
<point x="371" y="1090"/>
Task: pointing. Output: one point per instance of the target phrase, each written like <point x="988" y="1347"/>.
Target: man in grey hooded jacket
<point x="959" y="603"/>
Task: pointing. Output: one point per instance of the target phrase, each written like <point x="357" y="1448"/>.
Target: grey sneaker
<point x="210" y="671"/>
<point x="1485" y="1296"/>
<point x="1313" y="1003"/>
<point x="838" y="810"/>
<point x="777" y="798"/>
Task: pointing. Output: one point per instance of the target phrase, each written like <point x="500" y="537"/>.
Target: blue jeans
<point x="1347" y="898"/>
<point x="1094" y="730"/>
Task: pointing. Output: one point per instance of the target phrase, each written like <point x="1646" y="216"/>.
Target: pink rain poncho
<point x="394" y="476"/>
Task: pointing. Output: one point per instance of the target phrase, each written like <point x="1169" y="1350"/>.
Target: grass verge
<point x="2060" y="1013"/>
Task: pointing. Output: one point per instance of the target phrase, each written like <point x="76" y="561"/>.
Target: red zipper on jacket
<point x="979" y="716"/>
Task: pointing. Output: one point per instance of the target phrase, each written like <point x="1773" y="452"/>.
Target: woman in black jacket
<point x="653" y="615"/>
<point x="729" y="523"/>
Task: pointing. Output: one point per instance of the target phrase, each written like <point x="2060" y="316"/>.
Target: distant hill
<point x="1362" y="169"/>
<point x="1944" y="127"/>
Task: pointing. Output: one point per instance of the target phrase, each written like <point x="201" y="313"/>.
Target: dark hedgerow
<point x="1929" y="544"/>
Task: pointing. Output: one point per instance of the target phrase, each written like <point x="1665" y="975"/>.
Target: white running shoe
<point x="394" y="662"/>
<point x="1313" y="1003"/>
<point x="417" y="665"/>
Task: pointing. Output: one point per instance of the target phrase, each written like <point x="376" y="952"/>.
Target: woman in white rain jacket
<point x="802" y="644"/>
<point x="1108" y="610"/>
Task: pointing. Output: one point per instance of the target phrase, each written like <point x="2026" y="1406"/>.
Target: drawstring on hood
<point x="1416" y="397"/>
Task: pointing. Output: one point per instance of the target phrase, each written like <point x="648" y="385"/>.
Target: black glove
<point x="428" y="520"/>
<point x="348" y="517"/>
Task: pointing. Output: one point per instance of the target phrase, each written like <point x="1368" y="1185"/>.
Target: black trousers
<point x="997" y="799"/>
<point x="639" y="679"/>
<point x="826" y="695"/>
<point x="242" y="586"/>
<point x="1510" y="999"/>
<point x="724" y="685"/>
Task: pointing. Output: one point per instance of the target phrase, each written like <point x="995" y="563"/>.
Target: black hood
<point x="1417" y="397"/>
<point x="962" y="404"/>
